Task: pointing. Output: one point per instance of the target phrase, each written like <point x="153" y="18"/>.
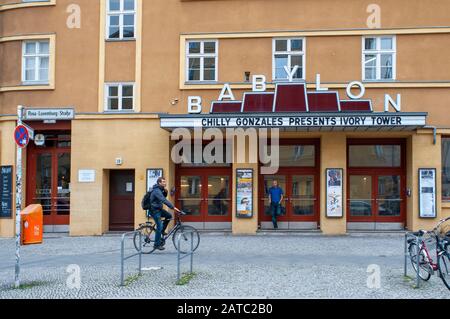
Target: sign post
<point x="20" y="140"/>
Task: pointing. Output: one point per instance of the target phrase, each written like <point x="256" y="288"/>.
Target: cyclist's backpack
<point x="146" y="202"/>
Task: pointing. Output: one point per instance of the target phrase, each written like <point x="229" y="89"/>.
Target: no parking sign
<point x="22" y="135"/>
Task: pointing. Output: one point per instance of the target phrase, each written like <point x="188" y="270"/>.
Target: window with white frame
<point x="379" y="58"/>
<point x="201" y="60"/>
<point x="35" y="62"/>
<point x="290" y="53"/>
<point x="119" y="97"/>
<point x="121" y="19"/>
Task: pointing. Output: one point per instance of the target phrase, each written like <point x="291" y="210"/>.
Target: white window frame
<point x="37" y="58"/>
<point x="378" y="52"/>
<point x="202" y="56"/>
<point x="120" y="96"/>
<point x="121" y="14"/>
<point x="290" y="54"/>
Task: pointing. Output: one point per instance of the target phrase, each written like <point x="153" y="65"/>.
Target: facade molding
<point x="20" y="5"/>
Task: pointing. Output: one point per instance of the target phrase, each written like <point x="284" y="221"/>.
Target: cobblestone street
<point x="262" y="266"/>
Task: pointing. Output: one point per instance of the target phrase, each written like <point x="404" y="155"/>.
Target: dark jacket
<point x="158" y="198"/>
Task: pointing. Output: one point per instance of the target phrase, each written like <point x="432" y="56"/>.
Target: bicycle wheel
<point x="444" y="268"/>
<point x="185" y="241"/>
<point x="148" y="239"/>
<point x="424" y="266"/>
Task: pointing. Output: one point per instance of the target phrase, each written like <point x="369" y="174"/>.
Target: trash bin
<point x="32" y="225"/>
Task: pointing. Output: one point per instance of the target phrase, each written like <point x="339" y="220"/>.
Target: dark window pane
<point x="281" y="45"/>
<point x="127" y="90"/>
<point x="209" y="75"/>
<point x="128" y="20"/>
<point x="296" y="45"/>
<point x="113" y="91"/>
<point x="209" y="63"/>
<point x="114" y="5"/>
<point x="113" y="104"/>
<point x="370" y="44"/>
<point x="209" y="47"/>
<point x="194" y="47"/>
<point x="128" y="5"/>
<point x="114" y="33"/>
<point x="128" y="32"/>
<point x="446" y="168"/>
<point x="127" y="103"/>
<point x="375" y="155"/>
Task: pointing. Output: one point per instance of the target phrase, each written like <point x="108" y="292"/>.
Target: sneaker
<point x="159" y="247"/>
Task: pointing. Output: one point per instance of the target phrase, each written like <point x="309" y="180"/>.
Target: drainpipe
<point x="434" y="133"/>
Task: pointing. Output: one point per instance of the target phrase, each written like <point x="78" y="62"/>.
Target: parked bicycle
<point x="148" y="231"/>
<point x="428" y="265"/>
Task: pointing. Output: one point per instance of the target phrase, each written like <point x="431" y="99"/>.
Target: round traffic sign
<point x="21" y="136"/>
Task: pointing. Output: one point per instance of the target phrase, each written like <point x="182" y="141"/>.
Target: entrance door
<point x="48" y="183"/>
<point x="376" y="182"/>
<point x="300" y="188"/>
<point x="376" y="196"/>
<point x="121" y="200"/>
<point x="204" y="194"/>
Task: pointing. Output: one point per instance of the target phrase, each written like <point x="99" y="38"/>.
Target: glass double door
<point x="48" y="183"/>
<point x="376" y="196"/>
<point x="204" y="194"/>
<point x="301" y="193"/>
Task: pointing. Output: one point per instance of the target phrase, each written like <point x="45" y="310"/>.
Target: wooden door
<point x="121" y="200"/>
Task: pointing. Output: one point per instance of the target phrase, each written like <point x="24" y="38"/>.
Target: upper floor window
<point x="289" y="53"/>
<point x="35" y="62"/>
<point x="201" y="60"/>
<point x="379" y="58"/>
<point x="121" y="16"/>
<point x="446" y="168"/>
<point x="119" y="97"/>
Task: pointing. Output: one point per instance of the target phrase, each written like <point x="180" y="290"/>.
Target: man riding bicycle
<point x="157" y="200"/>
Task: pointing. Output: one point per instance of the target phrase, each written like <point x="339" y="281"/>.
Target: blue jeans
<point x="275" y="210"/>
<point x="160" y="225"/>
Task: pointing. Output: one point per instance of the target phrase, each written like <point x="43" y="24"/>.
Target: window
<point x="119" y="97"/>
<point x="446" y="168"/>
<point x="35" y="62"/>
<point x="201" y="60"/>
<point x="121" y="18"/>
<point x="288" y="52"/>
<point x="379" y="58"/>
<point x="375" y="155"/>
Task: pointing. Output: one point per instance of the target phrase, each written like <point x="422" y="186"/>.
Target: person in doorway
<point x="275" y="198"/>
<point x="157" y="200"/>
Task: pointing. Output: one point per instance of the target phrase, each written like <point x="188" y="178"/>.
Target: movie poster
<point x="427" y="190"/>
<point x="244" y="193"/>
<point x="334" y="193"/>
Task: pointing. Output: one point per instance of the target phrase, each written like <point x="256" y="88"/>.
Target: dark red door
<point x="204" y="194"/>
<point x="121" y="200"/>
<point x="48" y="178"/>
<point x="376" y="174"/>
<point x="301" y="193"/>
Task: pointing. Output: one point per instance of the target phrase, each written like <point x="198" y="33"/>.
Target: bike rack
<point x="418" y="240"/>
<point x="187" y="254"/>
<point x="123" y="257"/>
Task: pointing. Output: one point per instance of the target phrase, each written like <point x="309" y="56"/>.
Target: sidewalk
<point x="284" y="266"/>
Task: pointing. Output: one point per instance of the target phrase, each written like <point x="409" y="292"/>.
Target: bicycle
<point x="427" y="266"/>
<point x="148" y="232"/>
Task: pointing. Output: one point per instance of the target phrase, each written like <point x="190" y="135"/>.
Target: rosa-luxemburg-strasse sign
<point x="42" y="114"/>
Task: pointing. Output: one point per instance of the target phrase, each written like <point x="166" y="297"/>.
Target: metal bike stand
<point x="123" y="257"/>
<point x="187" y="254"/>
<point x="417" y="240"/>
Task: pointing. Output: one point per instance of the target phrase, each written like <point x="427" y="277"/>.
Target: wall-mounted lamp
<point x="247" y="76"/>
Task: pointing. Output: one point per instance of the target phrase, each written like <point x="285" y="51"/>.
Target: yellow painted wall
<point x="8" y="157"/>
<point x="95" y="145"/>
<point x="245" y="226"/>
<point x="423" y="154"/>
<point x="333" y="155"/>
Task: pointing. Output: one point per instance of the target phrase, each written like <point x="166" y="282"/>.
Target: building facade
<point x="104" y="84"/>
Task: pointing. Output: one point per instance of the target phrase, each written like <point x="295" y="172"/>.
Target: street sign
<point x="39" y="139"/>
<point x="21" y="136"/>
<point x="30" y="131"/>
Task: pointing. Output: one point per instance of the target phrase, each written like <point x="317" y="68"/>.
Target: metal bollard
<point x="188" y="254"/>
<point x="123" y="257"/>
